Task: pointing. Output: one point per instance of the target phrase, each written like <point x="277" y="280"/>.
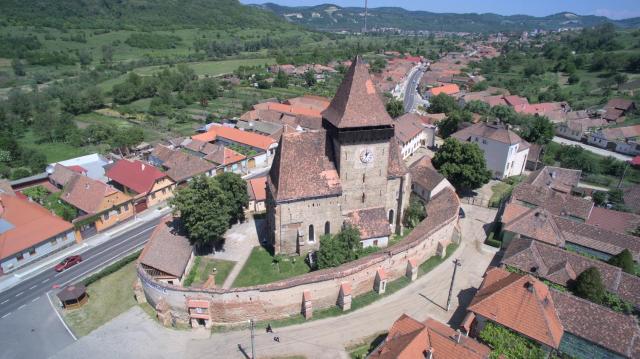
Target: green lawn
<point x="500" y="191"/>
<point x="108" y="298"/>
<point x="261" y="269"/>
<point x="211" y="68"/>
<point x="202" y="266"/>
<point x="433" y="262"/>
<point x="54" y="152"/>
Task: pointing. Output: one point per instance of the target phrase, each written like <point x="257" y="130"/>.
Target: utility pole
<point x="253" y="346"/>
<point x="456" y="264"/>
<point x="623" y="173"/>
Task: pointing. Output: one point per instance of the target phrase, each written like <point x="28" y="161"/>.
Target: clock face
<point x="366" y="155"/>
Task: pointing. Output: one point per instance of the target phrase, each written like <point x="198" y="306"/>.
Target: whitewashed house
<point x="505" y="152"/>
<point x="414" y="131"/>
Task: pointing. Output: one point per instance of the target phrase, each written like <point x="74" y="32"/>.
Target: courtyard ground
<point x="134" y="335"/>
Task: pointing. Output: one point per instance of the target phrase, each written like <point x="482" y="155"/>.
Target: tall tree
<point x="236" y="189"/>
<point x="537" y="129"/>
<point x="203" y="208"/>
<point x="589" y="285"/>
<point x="395" y="108"/>
<point x="281" y="80"/>
<point x="341" y="248"/>
<point x="442" y="103"/>
<point x="462" y="164"/>
<point x="624" y="260"/>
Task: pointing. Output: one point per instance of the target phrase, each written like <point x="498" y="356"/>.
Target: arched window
<point x="327" y="227"/>
<point x="391" y="216"/>
<point x="312" y="235"/>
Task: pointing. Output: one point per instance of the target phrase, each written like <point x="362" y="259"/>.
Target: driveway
<point x="594" y="149"/>
<point x="134" y="335"/>
<point x="239" y="242"/>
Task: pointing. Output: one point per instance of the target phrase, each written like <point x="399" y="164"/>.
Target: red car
<point x="68" y="263"/>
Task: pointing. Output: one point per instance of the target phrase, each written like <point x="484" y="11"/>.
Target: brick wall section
<point x="284" y="298"/>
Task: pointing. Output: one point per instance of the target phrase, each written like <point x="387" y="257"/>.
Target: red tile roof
<point x="519" y="302"/>
<point x="32" y="224"/>
<point x="357" y="103"/>
<point x="409" y="338"/>
<point x="621" y="222"/>
<point x="235" y="135"/>
<point x="258" y="188"/>
<point x="448" y="89"/>
<point x="136" y="175"/>
<point x="87" y="194"/>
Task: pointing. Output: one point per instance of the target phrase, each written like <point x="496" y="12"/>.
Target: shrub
<point x="508" y="344"/>
<point x="111" y="268"/>
<point x="589" y="285"/>
<point x="623" y="260"/>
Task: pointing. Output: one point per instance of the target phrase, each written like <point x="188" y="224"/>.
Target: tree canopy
<point x="236" y="188"/>
<point x="462" y="164"/>
<point x="537" y="129"/>
<point x="624" y="260"/>
<point x="442" y="103"/>
<point x="589" y="285"/>
<point x="341" y="248"/>
<point x="395" y="108"/>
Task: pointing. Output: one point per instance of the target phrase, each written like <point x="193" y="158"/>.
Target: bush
<point x="623" y="260"/>
<point x="509" y="344"/>
<point x="589" y="285"/>
<point x="111" y="268"/>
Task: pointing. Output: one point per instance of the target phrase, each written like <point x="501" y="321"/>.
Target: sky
<point x="615" y="9"/>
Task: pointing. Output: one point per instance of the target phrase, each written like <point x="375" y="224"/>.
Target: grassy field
<point x="211" y="68"/>
<point x="260" y="269"/>
<point x="499" y="192"/>
<point x="57" y="151"/>
<point x="108" y="298"/>
<point x="203" y="266"/>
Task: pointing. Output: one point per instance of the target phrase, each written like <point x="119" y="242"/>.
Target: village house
<point x="29" y="231"/>
<point x="180" y="166"/>
<point x="168" y="255"/>
<point x="99" y="205"/>
<point x="410" y="339"/>
<point x="617" y="108"/>
<point x="148" y="185"/>
<point x="349" y="171"/>
<point x="578" y="129"/>
<point x="426" y="181"/>
<point x="556" y="320"/>
<point x="257" y="148"/>
<point x="563" y="267"/>
<point x="618" y="139"/>
<point x="92" y="166"/>
<point x="505" y="153"/>
<point x="257" y="191"/>
<point x="447" y="89"/>
<point x="225" y="159"/>
<point x="413" y="132"/>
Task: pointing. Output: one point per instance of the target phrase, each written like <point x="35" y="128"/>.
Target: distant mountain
<point x="138" y="14"/>
<point x="329" y="17"/>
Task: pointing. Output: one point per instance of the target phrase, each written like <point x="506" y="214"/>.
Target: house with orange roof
<point x="99" y="205"/>
<point x="29" y="231"/>
<point x="409" y="338"/>
<point x="259" y="149"/>
<point x="447" y="89"/>
<point x="257" y="190"/>
<point x="556" y="320"/>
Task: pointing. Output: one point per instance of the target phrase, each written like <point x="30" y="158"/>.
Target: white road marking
<point x="22" y="306"/>
<point x="59" y="274"/>
<point x="5" y="301"/>
<point x="45" y="281"/>
<point x="6" y="315"/>
<point x="59" y="317"/>
<point x="123" y="242"/>
<point x="33" y="286"/>
<point x="19" y="294"/>
<point x="34" y="299"/>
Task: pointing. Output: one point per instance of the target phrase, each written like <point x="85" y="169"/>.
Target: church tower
<point x="359" y="131"/>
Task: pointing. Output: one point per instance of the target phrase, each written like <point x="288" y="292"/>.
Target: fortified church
<point x="350" y="171"/>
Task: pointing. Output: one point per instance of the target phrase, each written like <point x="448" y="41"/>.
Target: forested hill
<point x="328" y="17"/>
<point x="137" y="14"/>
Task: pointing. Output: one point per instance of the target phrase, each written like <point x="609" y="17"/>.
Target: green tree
<point x="589" y="285"/>
<point x="281" y="80"/>
<point x="236" y="189"/>
<point x="479" y="107"/>
<point x="310" y="78"/>
<point x="341" y="248"/>
<point x="462" y="164"/>
<point x="452" y="122"/>
<point x="623" y="260"/>
<point x="85" y="58"/>
<point x="599" y="198"/>
<point x="18" y="67"/>
<point x="107" y="55"/>
<point x="442" y="103"/>
<point x="204" y="209"/>
<point x="415" y="213"/>
<point x="505" y="114"/>
<point x="395" y="108"/>
<point x="537" y="129"/>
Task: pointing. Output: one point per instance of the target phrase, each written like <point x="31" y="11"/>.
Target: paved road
<point x="411" y="92"/>
<point x="594" y="149"/>
<point x="135" y="335"/>
<point x="94" y="258"/>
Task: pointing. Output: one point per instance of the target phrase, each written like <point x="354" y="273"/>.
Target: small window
<point x="20" y="257"/>
<point x="164" y="190"/>
<point x="484" y="141"/>
<point x="391" y="216"/>
<point x="327" y="227"/>
<point x="312" y="235"/>
<point x="118" y="210"/>
<point x="105" y="217"/>
<point x="53" y="242"/>
<point x="363" y="197"/>
<point x="375" y="242"/>
<point x="126" y="207"/>
<point x="32" y="251"/>
<point x="153" y="196"/>
<point x="170" y="282"/>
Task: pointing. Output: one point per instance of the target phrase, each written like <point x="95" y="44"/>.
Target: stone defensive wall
<point x="316" y="290"/>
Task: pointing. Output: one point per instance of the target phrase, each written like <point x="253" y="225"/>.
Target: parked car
<point x="68" y="263"/>
<point x="461" y="213"/>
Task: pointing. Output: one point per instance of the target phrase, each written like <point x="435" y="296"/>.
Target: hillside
<point x="137" y="14"/>
<point x="328" y="17"/>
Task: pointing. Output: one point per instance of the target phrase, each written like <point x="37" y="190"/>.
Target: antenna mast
<point x="365" y="15"/>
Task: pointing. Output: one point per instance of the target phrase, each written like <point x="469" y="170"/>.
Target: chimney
<point x="143" y="167"/>
<point x="529" y="287"/>
<point x="430" y="353"/>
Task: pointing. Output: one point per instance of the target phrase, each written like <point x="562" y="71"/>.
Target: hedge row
<point x="111" y="268"/>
